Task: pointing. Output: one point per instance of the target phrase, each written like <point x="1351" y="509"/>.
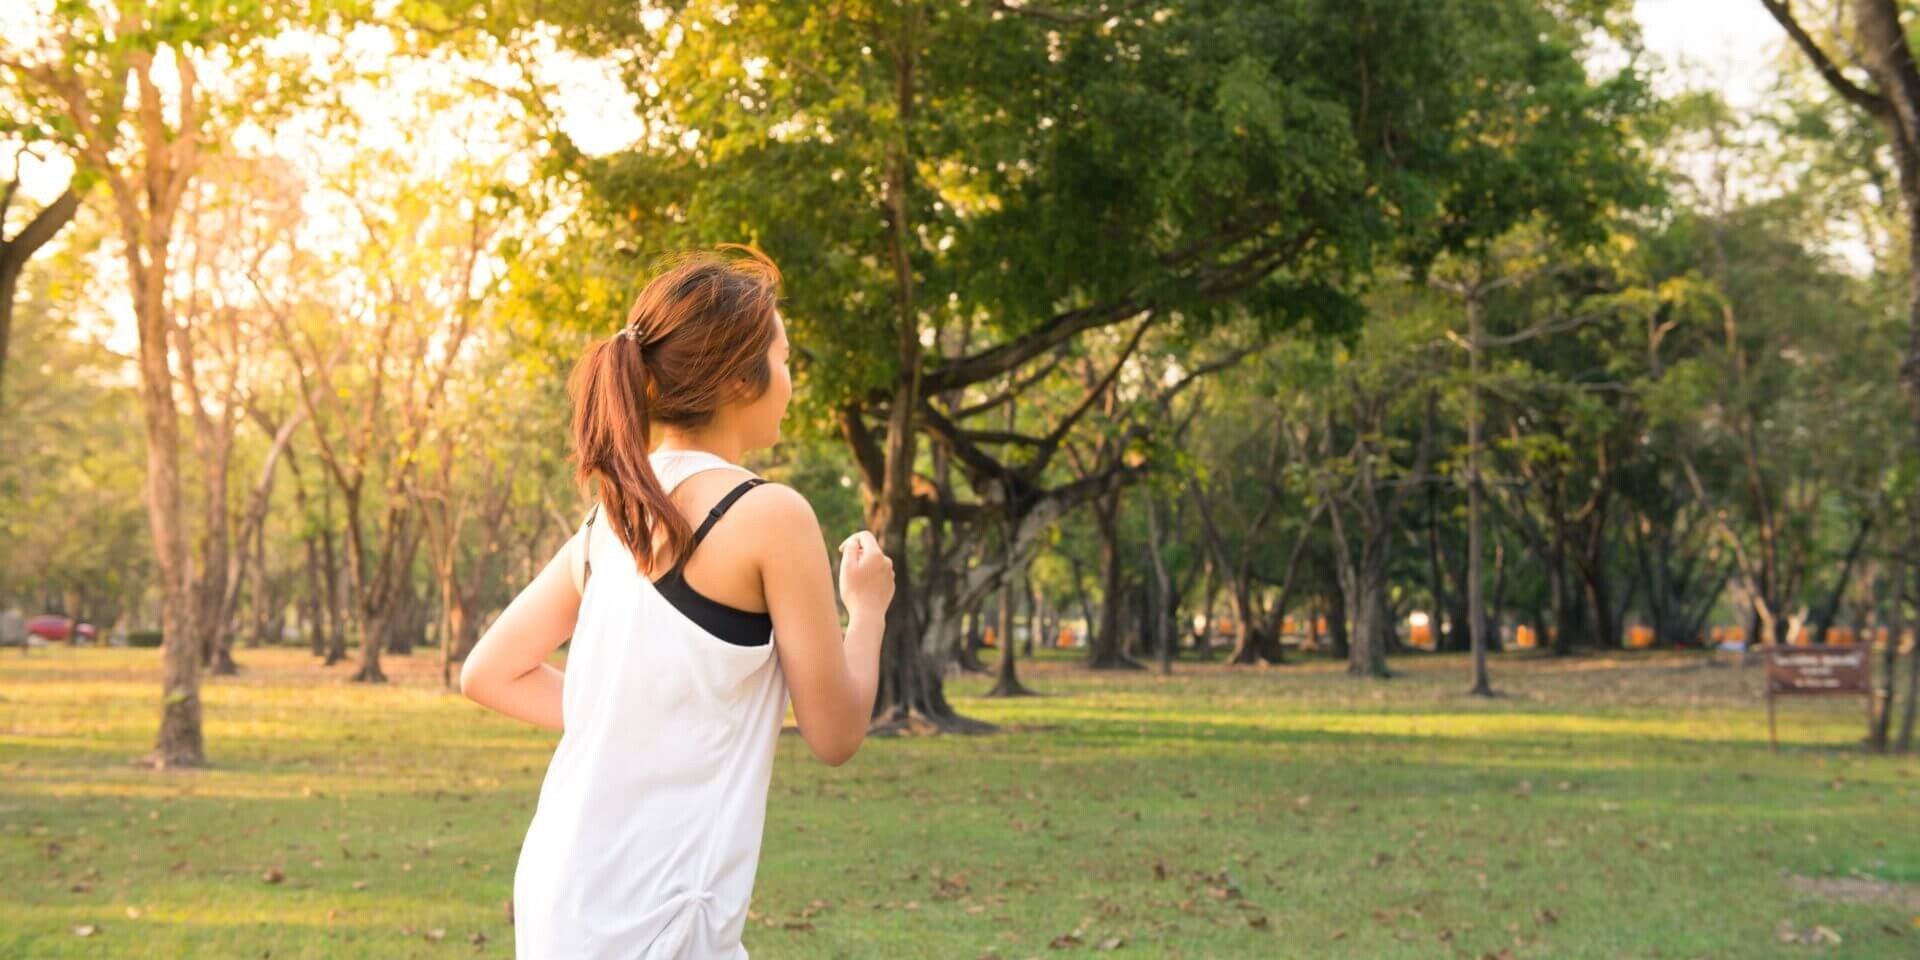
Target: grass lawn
<point x="1618" y="806"/>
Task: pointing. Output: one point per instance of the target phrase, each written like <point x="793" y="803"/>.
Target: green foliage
<point x="73" y="524"/>
<point x="1203" y="158"/>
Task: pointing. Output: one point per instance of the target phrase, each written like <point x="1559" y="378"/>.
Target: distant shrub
<point x="143" y="638"/>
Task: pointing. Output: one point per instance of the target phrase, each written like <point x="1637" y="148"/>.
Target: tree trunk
<point x="1007" y="682"/>
<point x="1367" y="647"/>
<point x="336" y="614"/>
<point x="1203" y="644"/>
<point x="1162" y="588"/>
<point x="1904" y="574"/>
<point x="1913" y="695"/>
<point x="215" y="618"/>
<point x="1476" y="601"/>
<point x="1880" y="722"/>
<point x="261" y="604"/>
<point x="1033" y="612"/>
<point x="1339" y="635"/>
<point x="315" y="601"/>
<point x="1824" y="619"/>
<point x="180" y="740"/>
<point x="1105" y="651"/>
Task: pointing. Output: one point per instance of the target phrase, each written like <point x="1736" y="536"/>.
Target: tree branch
<point x="1867" y="100"/>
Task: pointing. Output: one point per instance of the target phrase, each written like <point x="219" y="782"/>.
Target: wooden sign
<point x="1817" y="672"/>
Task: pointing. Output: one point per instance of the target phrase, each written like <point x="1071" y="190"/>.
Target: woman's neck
<point x="683" y="444"/>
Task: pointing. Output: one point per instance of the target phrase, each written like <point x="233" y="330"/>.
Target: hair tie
<point x="629" y="333"/>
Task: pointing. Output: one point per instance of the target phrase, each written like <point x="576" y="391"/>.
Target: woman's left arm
<point x="507" y="669"/>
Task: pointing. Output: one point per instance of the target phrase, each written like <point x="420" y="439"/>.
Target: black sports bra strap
<point x="586" y="541"/>
<point x="721" y="507"/>
<point x="586" y="546"/>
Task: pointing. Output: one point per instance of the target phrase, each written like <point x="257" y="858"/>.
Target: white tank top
<point x="646" y="836"/>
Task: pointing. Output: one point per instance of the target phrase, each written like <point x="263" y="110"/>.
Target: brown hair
<point x="705" y="321"/>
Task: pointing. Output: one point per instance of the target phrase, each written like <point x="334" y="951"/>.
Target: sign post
<point x="1817" y="672"/>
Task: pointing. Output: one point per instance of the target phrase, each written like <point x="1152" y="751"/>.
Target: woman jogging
<point x="698" y="598"/>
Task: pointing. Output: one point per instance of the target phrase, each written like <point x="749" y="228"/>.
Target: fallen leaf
<point x="1064" y="941"/>
<point x="86" y="930"/>
<point x="436" y="935"/>
<point x="1111" y="943"/>
<point x="273" y="875"/>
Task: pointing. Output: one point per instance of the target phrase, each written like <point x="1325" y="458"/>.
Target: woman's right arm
<point x="832" y="677"/>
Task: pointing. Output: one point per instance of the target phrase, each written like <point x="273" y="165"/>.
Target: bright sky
<point x="1732" y="43"/>
<point x="1727" y="44"/>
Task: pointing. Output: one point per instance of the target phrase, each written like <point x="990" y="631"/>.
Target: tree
<point x="1037" y="175"/>
<point x="96" y="71"/>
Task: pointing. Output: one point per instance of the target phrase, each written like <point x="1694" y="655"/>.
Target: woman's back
<point x="647" y="834"/>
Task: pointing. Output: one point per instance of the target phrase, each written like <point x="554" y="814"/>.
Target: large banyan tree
<point x="959" y="192"/>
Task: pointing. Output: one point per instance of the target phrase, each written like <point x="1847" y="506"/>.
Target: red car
<point x="55" y="627"/>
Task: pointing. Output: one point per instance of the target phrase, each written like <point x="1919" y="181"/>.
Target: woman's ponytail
<point x="612" y="439"/>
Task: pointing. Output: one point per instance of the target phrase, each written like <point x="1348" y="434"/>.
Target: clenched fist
<point x="866" y="575"/>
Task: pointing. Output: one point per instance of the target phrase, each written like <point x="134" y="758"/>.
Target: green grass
<point x="1623" y="806"/>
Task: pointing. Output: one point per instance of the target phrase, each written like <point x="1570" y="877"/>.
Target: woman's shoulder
<point x="775" y="501"/>
<point x="775" y="513"/>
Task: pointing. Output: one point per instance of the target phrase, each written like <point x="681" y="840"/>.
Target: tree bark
<point x="1476" y="602"/>
<point x="1162" y="589"/>
<point x="1104" y="647"/>
<point x="15" y="252"/>
<point x="1007" y="679"/>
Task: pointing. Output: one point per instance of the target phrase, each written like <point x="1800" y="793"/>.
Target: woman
<point x="686" y="641"/>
